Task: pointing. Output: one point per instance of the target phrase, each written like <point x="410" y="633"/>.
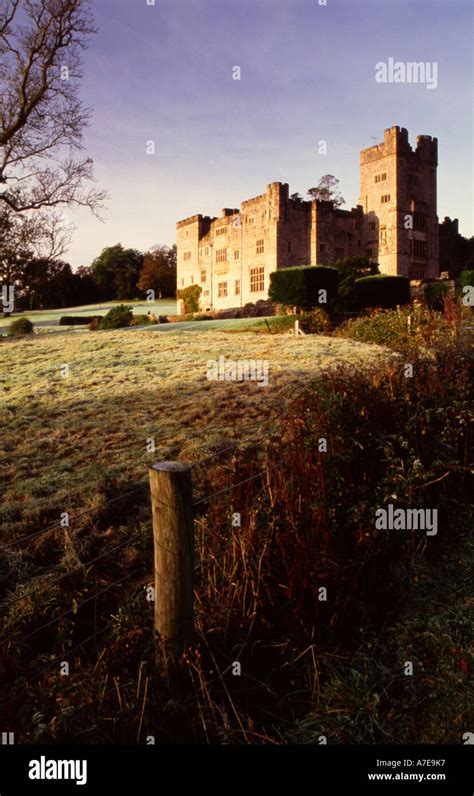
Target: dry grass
<point x="60" y="436"/>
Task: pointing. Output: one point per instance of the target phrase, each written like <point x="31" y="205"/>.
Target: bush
<point x="20" y="327"/>
<point x="78" y="320"/>
<point x="382" y="291"/>
<point x="435" y="294"/>
<point x="163" y="319"/>
<point x="300" y="286"/>
<point x="315" y="322"/>
<point x="190" y="295"/>
<point x="349" y="269"/>
<point x="117" y="317"/>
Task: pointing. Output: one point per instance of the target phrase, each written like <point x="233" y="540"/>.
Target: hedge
<point x="78" y="320"/>
<point x="382" y="291"/>
<point x="300" y="286"/>
<point x="435" y="294"/>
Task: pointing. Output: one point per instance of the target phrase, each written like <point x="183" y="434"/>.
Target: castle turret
<point x="398" y="195"/>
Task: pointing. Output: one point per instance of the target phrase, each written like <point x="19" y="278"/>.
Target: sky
<point x="163" y="73"/>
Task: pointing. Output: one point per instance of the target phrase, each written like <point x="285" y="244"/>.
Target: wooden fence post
<point x="173" y="535"/>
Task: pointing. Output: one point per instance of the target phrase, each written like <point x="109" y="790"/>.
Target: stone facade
<point x="398" y="198"/>
<point x="395" y="224"/>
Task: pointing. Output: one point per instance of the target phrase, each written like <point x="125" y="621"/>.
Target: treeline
<point x="117" y="273"/>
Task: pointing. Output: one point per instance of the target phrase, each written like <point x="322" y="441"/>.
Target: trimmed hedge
<point x="299" y="286"/>
<point x="78" y="320"/>
<point x="382" y="291"/>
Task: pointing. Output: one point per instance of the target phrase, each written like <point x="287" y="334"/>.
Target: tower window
<point x="260" y="246"/>
<point x="203" y="275"/>
<point x="237" y="287"/>
<point x="237" y="254"/>
<point x="221" y="255"/>
<point x="221" y="289"/>
<point x="419" y="248"/>
<point x="386" y="198"/>
<point x="187" y="256"/>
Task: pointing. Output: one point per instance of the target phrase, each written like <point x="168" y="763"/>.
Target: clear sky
<point x="165" y="73"/>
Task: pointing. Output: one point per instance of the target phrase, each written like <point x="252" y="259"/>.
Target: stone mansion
<point x="395" y="224"/>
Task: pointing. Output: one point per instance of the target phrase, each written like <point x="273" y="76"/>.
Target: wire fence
<point x="51" y="580"/>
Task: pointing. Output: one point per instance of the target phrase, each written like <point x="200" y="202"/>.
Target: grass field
<point x="68" y="434"/>
<point x="77" y="443"/>
<point x="46" y="319"/>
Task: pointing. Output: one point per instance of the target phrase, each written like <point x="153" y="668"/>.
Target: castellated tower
<point x="398" y="197"/>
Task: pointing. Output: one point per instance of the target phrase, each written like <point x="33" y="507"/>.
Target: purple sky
<point x="164" y="73"/>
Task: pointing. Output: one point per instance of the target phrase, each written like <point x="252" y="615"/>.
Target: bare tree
<point x="44" y="235"/>
<point x="42" y="119"/>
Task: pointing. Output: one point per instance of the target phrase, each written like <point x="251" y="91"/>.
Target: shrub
<point x="190" y="295"/>
<point x="382" y="291"/>
<point x="435" y="294"/>
<point x="315" y="322"/>
<point x="78" y="320"/>
<point x="163" y="319"/>
<point x="349" y="269"/>
<point x="117" y="317"/>
<point x="300" y="286"/>
<point x="20" y="327"/>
